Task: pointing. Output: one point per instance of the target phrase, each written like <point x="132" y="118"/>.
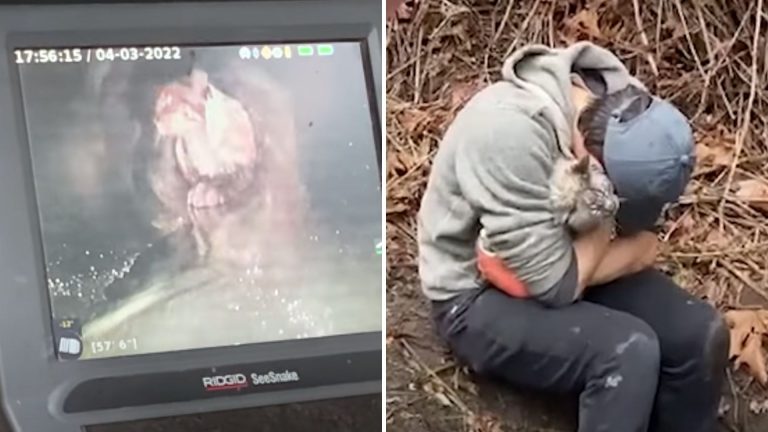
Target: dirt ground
<point x="428" y="392"/>
<point x="339" y="415"/>
<point x="707" y="57"/>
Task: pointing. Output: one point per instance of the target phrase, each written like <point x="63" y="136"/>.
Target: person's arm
<point x="588" y="254"/>
<point x="598" y="262"/>
<point x="590" y="250"/>
<point x="625" y="256"/>
<point x="503" y="164"/>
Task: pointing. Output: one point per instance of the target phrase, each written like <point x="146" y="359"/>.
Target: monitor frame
<point x="42" y="393"/>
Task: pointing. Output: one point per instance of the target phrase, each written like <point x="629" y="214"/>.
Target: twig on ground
<point x="522" y="29"/>
<point x="644" y="38"/>
<point x="744" y="279"/>
<point x="744" y="130"/>
<point x="455" y="398"/>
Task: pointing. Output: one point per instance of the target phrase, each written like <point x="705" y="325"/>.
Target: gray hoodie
<point x="493" y="167"/>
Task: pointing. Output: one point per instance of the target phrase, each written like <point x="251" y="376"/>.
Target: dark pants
<point x="641" y="353"/>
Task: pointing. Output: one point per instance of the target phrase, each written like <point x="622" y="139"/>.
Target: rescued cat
<point x="581" y="194"/>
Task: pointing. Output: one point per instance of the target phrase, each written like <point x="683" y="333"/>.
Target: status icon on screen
<point x="245" y="53"/>
<point x="379" y="248"/>
<point x="324" y="50"/>
<point x="67" y="332"/>
<point x="305" y="50"/>
<point x="70" y="346"/>
<point x="266" y="53"/>
<point x="256" y="53"/>
<point x="287" y="52"/>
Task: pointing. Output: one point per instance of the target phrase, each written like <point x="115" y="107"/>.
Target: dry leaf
<point x="483" y="423"/>
<point x="747" y="330"/>
<point x="392" y="7"/>
<point x="714" y="292"/>
<point x="752" y="356"/>
<point x="741" y="323"/>
<point x="398" y="207"/>
<point x="716" y="238"/>
<point x="461" y="93"/>
<point x="413" y="120"/>
<point x="758" y="407"/>
<point x="714" y="154"/>
<point x="723" y="409"/>
<point x="403" y="9"/>
<point x="408" y="160"/>
<point x="753" y="192"/>
<point x="429" y="388"/>
<point x="687" y="222"/>
<point x="470" y="387"/>
<point x="443" y="399"/>
<point x="585" y="22"/>
<point x="449" y="9"/>
<point x="395" y="163"/>
<point x="714" y="146"/>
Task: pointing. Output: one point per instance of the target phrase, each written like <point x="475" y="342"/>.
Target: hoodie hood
<point x="547" y="72"/>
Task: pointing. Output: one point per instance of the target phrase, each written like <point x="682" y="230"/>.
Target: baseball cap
<point x="649" y="159"/>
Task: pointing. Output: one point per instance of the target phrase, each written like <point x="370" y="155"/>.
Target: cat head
<point x="601" y="203"/>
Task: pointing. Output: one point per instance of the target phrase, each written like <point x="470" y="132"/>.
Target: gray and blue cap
<point x="649" y="159"/>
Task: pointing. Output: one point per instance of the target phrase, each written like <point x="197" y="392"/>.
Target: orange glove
<point x="493" y="269"/>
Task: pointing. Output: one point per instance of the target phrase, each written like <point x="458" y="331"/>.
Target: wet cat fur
<point x="581" y="194"/>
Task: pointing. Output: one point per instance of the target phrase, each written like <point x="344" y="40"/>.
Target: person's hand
<point x="646" y="244"/>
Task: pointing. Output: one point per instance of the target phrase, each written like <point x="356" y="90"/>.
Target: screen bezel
<point x="25" y="41"/>
<point x="32" y="376"/>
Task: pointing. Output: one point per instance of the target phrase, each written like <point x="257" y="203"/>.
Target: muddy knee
<point x="640" y="353"/>
<point x="631" y="357"/>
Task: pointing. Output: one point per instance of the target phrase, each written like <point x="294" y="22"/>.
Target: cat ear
<point x="582" y="166"/>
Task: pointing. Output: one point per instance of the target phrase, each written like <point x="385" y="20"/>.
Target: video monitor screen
<point x="204" y="196"/>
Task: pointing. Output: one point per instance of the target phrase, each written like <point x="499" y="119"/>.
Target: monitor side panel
<point x="36" y="386"/>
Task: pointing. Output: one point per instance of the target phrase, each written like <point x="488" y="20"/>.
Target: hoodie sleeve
<point x="503" y="169"/>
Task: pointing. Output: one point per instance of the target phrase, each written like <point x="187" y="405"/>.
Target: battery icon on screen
<point x="305" y="50"/>
<point x="324" y="50"/>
